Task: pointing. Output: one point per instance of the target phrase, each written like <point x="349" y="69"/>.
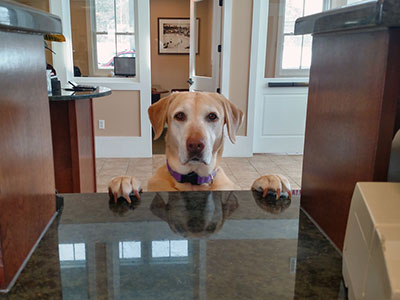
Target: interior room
<point x="289" y="168"/>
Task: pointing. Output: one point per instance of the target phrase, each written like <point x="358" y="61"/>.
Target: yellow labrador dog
<point x="194" y="146"/>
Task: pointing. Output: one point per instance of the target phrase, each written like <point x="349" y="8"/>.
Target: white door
<point x="205" y="36"/>
<point x="280" y="98"/>
<point x="280" y="116"/>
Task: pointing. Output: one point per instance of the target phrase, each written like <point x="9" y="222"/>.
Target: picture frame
<point x="174" y="35"/>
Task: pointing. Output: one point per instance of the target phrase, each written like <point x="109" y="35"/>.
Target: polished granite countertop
<point x="75" y="95"/>
<point x="182" y="245"/>
<point x="18" y="17"/>
<point x="368" y="14"/>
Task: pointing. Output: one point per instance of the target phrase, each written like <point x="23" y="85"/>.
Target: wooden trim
<point x="73" y="134"/>
<point x="93" y="147"/>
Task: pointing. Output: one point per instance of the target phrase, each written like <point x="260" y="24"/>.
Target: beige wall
<point x="272" y="38"/>
<point x="204" y="11"/>
<point x="172" y="71"/>
<point x="39" y="4"/>
<point x="168" y="71"/>
<point x="79" y="14"/>
<point x="242" y="12"/>
<point x="42" y="5"/>
<point x="121" y="112"/>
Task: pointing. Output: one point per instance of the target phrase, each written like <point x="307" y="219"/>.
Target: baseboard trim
<point x="122" y="146"/>
<point x="21" y="268"/>
<point x="242" y="147"/>
<point x="136" y="147"/>
<point x="280" y="144"/>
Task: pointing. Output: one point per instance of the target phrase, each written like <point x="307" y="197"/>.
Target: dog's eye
<point x="212" y="117"/>
<point x="180" y="116"/>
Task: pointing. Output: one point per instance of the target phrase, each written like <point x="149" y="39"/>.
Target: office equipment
<point x="125" y="66"/>
<point x="371" y="253"/>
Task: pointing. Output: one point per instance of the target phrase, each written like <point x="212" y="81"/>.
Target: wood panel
<point x="61" y="146"/>
<point x="353" y="95"/>
<point x="27" y="198"/>
<point x="73" y="144"/>
<point x="86" y="149"/>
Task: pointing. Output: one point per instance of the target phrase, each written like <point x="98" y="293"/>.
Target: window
<point x="170" y="251"/>
<point x="130" y="249"/>
<point x="101" y="30"/>
<point x="72" y="252"/>
<point x="114" y="31"/>
<point x="294" y="51"/>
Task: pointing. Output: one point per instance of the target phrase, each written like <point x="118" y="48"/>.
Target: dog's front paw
<point x="122" y="186"/>
<point x="274" y="183"/>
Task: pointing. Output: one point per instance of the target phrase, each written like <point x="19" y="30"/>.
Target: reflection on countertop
<point x="182" y="245"/>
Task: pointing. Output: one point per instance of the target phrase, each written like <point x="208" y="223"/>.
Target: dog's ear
<point x="233" y="117"/>
<point x="158" y="114"/>
<point x="230" y="204"/>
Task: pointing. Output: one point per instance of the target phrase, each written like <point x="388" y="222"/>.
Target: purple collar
<point x="192" y="177"/>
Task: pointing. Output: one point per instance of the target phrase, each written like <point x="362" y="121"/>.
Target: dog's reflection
<point x="195" y="214"/>
<point x="270" y="204"/>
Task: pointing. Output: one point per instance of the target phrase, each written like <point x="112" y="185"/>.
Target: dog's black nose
<point x="195" y="145"/>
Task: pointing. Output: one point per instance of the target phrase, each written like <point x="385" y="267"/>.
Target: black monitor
<point x="124" y="66"/>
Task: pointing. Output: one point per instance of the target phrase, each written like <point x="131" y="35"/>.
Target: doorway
<point x="173" y="67"/>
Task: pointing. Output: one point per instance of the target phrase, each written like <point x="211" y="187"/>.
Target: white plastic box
<point x="371" y="253"/>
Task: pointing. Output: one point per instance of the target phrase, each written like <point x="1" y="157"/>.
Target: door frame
<point x="141" y="146"/>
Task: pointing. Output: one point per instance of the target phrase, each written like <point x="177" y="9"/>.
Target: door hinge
<point x="219" y="48"/>
<point x="218" y="90"/>
<point x="221" y="2"/>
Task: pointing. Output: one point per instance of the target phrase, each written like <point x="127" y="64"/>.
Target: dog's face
<point x="195" y="125"/>
<point x="195" y="214"/>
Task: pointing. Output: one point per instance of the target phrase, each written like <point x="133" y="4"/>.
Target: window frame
<point x="279" y="71"/>
<point x="96" y="71"/>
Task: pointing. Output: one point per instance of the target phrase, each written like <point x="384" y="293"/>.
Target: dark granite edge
<point x="19" y="17"/>
<point x="321" y="230"/>
<point x="105" y="92"/>
<point x="29" y="255"/>
<point x="364" y="15"/>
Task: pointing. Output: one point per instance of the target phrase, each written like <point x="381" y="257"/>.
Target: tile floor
<point x="242" y="171"/>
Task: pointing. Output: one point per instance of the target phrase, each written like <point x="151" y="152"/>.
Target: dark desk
<point x="353" y="106"/>
<point x="73" y="140"/>
<point x="192" y="245"/>
<point x="156" y="95"/>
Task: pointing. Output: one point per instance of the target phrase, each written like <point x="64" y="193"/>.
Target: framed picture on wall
<point x="174" y="35"/>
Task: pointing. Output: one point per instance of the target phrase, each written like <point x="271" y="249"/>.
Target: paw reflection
<point x="121" y="207"/>
<point x="270" y="204"/>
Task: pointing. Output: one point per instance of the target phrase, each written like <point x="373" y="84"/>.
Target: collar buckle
<point x="190" y="178"/>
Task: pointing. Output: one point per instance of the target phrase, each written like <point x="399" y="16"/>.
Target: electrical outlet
<point x="102" y="124"/>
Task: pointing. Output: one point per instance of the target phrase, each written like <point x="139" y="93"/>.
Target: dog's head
<point x="195" y="127"/>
